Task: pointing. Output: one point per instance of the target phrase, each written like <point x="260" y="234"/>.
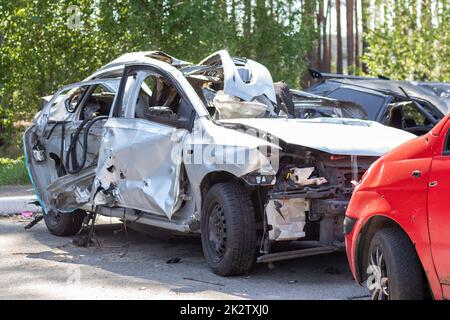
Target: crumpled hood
<point x="332" y="135"/>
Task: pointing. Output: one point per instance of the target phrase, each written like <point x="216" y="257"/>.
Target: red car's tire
<point x="394" y="270"/>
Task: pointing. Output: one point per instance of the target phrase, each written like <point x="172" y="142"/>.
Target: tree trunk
<point x="357" y="60"/>
<point x="247" y="27"/>
<point x="349" y="11"/>
<point x="325" y="38"/>
<point x="338" y="38"/>
<point x="365" y="28"/>
<point x="259" y="26"/>
<point x="310" y="9"/>
<point x="330" y="53"/>
<point x="233" y="17"/>
<point x="319" y="27"/>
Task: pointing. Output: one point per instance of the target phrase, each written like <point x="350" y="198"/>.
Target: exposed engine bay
<point x="310" y="196"/>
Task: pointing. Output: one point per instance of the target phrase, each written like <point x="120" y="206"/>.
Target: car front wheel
<point x="228" y="230"/>
<point x="394" y="270"/>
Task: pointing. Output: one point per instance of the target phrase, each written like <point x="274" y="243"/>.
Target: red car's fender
<point x="389" y="195"/>
<point x="415" y="233"/>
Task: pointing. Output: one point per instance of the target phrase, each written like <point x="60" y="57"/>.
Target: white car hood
<point x="332" y="135"/>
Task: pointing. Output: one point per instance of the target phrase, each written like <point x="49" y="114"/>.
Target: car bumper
<point x="350" y="247"/>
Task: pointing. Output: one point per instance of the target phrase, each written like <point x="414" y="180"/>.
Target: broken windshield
<point x="309" y="106"/>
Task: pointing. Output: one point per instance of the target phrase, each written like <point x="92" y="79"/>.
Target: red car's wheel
<point x="394" y="270"/>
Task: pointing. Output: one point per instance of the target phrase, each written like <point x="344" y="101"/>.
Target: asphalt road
<point x="37" y="265"/>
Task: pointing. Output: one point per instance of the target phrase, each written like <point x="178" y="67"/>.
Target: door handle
<point x="416" y="174"/>
<point x="432" y="184"/>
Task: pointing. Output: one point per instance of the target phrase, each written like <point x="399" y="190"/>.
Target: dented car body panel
<point x="245" y="79"/>
<point x="140" y="140"/>
<point x="407" y="189"/>
<point x="331" y="135"/>
<point x="152" y="186"/>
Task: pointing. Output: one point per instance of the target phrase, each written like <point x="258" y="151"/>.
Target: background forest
<point x="45" y="44"/>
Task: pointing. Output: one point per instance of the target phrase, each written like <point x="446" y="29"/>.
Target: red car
<point x="397" y="224"/>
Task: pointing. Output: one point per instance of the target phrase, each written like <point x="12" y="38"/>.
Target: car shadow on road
<point x="176" y="262"/>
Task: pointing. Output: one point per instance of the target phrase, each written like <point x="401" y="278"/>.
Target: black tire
<point x="64" y="224"/>
<point x="399" y="267"/>
<point x="228" y="229"/>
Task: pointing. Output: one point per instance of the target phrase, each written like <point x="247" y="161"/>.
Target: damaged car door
<point x="62" y="147"/>
<point x="139" y="165"/>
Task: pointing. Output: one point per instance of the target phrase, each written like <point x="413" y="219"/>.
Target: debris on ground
<point x="26" y="214"/>
<point x="34" y="222"/>
<point x="173" y="260"/>
<point x="203" y="281"/>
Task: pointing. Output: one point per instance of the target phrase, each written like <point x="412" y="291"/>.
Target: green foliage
<point x="39" y="51"/>
<point x="410" y="40"/>
<point x="13" y="172"/>
<point x="11" y="142"/>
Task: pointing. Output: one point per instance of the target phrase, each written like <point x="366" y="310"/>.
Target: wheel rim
<point x="378" y="281"/>
<point x="54" y="217"/>
<point x="217" y="231"/>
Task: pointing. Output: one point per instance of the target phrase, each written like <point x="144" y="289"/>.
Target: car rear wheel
<point x="228" y="229"/>
<point x="394" y="270"/>
<point x="64" y="224"/>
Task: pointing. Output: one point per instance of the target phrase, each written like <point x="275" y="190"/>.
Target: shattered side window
<point x="65" y="104"/>
<point x="98" y="103"/>
<point x="412" y="117"/>
<point x="160" y="101"/>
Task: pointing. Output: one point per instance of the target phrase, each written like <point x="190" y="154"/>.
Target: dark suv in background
<point x="412" y="106"/>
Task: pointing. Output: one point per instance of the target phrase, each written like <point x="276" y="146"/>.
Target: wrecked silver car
<point x="199" y="148"/>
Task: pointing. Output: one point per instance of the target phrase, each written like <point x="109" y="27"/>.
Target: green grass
<point x="13" y="172"/>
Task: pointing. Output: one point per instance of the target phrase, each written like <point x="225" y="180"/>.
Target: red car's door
<point x="439" y="209"/>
